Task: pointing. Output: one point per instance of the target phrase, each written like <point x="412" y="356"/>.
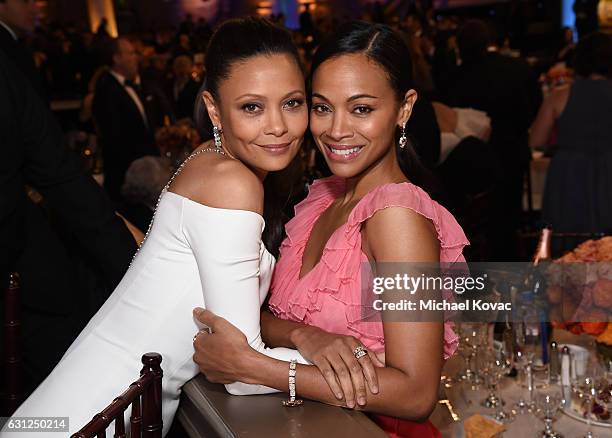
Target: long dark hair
<point x="386" y="48"/>
<point x="236" y="41"/>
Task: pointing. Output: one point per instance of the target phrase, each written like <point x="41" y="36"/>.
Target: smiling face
<point x="261" y="109"/>
<point x="354" y="114"/>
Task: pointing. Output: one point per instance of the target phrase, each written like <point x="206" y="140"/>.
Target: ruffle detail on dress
<point x="451" y="340"/>
<point x="321" y="194"/>
<point x="338" y="274"/>
<point x="451" y="236"/>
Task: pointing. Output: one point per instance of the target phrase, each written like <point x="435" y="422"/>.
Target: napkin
<point x="478" y="426"/>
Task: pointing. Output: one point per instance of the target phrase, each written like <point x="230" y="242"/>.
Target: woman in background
<point x="578" y="191"/>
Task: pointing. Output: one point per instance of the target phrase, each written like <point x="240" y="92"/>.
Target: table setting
<point x="494" y="395"/>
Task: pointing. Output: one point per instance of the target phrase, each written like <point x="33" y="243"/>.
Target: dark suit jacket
<point x="123" y="134"/>
<point x="71" y="254"/>
<point x="33" y="154"/>
<point x="22" y="57"/>
<point x="508" y="91"/>
<point x="184" y="104"/>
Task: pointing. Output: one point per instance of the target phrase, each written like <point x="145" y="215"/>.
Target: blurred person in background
<point x="586" y="16"/>
<point x="17" y="19"/>
<point x="144" y="181"/>
<point x="578" y="191"/>
<point x="70" y="249"/>
<point x="126" y="112"/>
<point x="568" y="48"/>
<point x="511" y="99"/>
<point x="184" y="89"/>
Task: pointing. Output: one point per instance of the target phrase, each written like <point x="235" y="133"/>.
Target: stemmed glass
<point x="465" y="350"/>
<point x="525" y="371"/>
<point x="489" y="367"/>
<point x="501" y="365"/>
<point x="471" y="338"/>
<point x="587" y="389"/>
<point x="548" y="401"/>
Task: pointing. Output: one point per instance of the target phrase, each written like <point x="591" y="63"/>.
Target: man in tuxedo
<point x="18" y="18"/>
<point x="183" y="88"/>
<point x="508" y="91"/>
<point x="62" y="284"/>
<point x="126" y="112"/>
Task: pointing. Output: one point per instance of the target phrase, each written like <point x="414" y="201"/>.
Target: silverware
<point x="451" y="411"/>
<point x="443" y="399"/>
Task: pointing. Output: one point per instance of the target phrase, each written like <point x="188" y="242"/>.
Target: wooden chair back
<point x="144" y="396"/>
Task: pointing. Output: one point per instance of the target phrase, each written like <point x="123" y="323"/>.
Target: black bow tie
<point x="136" y="87"/>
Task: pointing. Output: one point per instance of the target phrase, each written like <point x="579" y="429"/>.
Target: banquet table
<point x="466" y="402"/>
<point x="206" y="410"/>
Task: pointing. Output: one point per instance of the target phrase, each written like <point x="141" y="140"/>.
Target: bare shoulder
<point x="218" y="181"/>
<point x="401" y="234"/>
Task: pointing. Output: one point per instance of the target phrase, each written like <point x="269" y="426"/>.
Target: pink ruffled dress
<point x="329" y="296"/>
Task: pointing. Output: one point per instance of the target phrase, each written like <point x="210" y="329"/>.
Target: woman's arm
<point x="226" y="243"/>
<point x="414" y="351"/>
<point x="331" y="353"/>
<point x="278" y="332"/>
<point x="551" y="108"/>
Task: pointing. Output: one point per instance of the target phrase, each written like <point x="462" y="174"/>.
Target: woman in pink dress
<point x="371" y="210"/>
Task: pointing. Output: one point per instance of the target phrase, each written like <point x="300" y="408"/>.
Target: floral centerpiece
<point x="177" y="141"/>
<point x="579" y="289"/>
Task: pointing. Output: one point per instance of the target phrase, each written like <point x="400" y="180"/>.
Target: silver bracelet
<point x="292" y="400"/>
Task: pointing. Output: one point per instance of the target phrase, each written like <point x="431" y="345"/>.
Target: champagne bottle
<point x="542" y="252"/>
<point x="534" y="290"/>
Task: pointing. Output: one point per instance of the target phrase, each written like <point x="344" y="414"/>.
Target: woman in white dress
<point x="204" y="247"/>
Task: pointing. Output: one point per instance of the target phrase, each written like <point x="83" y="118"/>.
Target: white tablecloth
<point x="524" y="426"/>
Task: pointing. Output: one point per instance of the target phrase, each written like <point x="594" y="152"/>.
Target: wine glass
<point x="465" y="350"/>
<point x="525" y="374"/>
<point x="501" y="365"/>
<point x="587" y="388"/>
<point x="471" y="340"/>
<point x="490" y="371"/>
<point x="548" y="401"/>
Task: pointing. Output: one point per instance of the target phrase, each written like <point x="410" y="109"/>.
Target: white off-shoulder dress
<point x="194" y="255"/>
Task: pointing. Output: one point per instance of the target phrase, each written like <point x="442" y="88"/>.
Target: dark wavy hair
<point x="385" y="47"/>
<point x="234" y="41"/>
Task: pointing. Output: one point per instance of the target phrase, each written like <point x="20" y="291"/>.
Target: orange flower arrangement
<point x="580" y="290"/>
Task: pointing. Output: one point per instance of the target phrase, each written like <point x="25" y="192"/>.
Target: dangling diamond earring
<point x="217" y="134"/>
<point x="403" y="141"/>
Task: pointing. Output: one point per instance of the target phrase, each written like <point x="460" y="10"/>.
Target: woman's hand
<point x="220" y="354"/>
<point x="333" y="355"/>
